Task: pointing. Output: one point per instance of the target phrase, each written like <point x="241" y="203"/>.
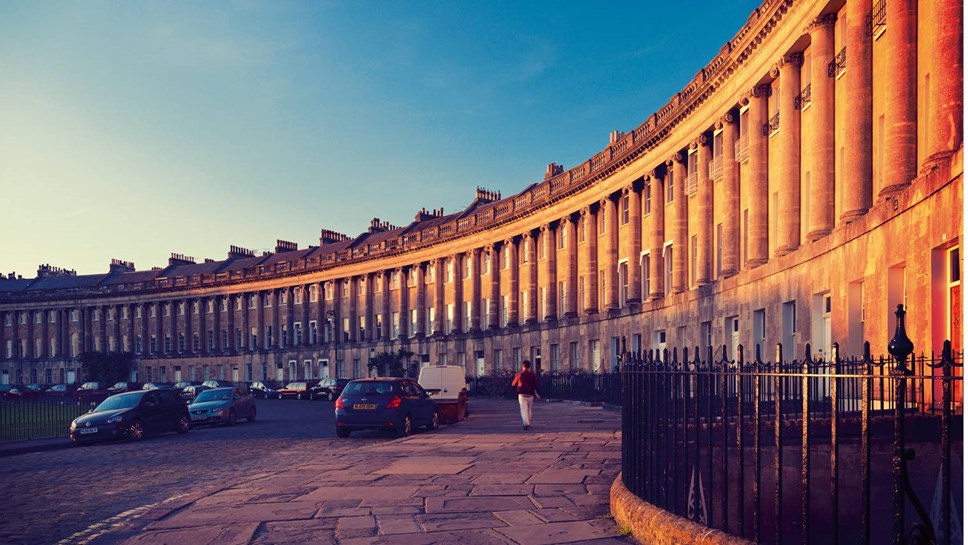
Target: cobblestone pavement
<point x="480" y="481"/>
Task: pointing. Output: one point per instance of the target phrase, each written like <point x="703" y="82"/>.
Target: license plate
<point x="198" y="417"/>
<point x="86" y="430"/>
<point x="364" y="406"/>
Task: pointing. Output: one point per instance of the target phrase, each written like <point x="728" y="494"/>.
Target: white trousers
<point x="526" y="403"/>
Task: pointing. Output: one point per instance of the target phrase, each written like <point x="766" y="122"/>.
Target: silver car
<point x="222" y="406"/>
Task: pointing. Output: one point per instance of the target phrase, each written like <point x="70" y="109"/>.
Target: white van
<point x="447" y="385"/>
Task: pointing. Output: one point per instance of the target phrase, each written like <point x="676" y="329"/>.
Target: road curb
<point x="40" y="445"/>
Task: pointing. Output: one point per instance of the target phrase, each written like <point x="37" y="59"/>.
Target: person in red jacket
<point x="527" y="385"/>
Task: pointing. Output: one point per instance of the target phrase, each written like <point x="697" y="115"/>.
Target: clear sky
<point x="132" y="130"/>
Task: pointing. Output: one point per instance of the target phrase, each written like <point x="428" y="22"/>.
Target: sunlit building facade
<point x="803" y="184"/>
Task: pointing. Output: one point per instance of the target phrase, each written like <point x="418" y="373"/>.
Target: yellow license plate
<point x="364" y="406"/>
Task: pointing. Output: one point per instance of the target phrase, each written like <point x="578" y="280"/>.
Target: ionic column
<point x="354" y="303"/>
<point x="610" y="261"/>
<point x="457" y="290"/>
<point x="514" y="283"/>
<point x="404" y="307"/>
<point x="305" y="313"/>
<point x="475" y="263"/>
<point x="439" y="303"/>
<point x="276" y="322"/>
<point x="571" y="266"/>
<point x="657" y="231"/>
<point x="731" y="214"/>
<point x="820" y="149"/>
<point x="530" y="241"/>
<point x="421" y="300"/>
<point x="44" y="332"/>
<point x="704" y="202"/>
<point x="676" y="175"/>
<point x="551" y="272"/>
<point x="590" y="267"/>
<point x="229" y="324"/>
<point x="493" y="319"/>
<point x="945" y="46"/>
<point x="104" y="329"/>
<point x="633" y="244"/>
<point x="246" y="323"/>
<point x="901" y="104"/>
<point x="858" y="148"/>
<point x="788" y="209"/>
<point x="366" y="284"/>
<point x="385" y="306"/>
<point x="759" y="246"/>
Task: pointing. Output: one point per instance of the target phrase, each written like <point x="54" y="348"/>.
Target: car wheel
<point x="406" y="427"/>
<point x="252" y="415"/>
<point x="184" y="424"/>
<point x="299" y="396"/>
<point x="434" y="421"/>
<point x="231" y="420"/>
<point x="135" y="431"/>
<point x="342" y="433"/>
<point x="329" y="396"/>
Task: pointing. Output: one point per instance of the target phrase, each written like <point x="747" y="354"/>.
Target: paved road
<point x="50" y="496"/>
<point x="287" y="479"/>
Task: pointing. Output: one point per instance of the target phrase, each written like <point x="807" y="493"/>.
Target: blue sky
<point x="133" y="130"/>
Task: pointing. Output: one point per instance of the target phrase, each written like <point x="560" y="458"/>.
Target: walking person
<point x="527" y="384"/>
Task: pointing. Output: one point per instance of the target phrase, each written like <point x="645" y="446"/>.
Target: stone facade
<point x="804" y="183"/>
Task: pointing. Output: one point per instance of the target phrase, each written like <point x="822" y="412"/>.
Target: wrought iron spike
<point x="900" y="346"/>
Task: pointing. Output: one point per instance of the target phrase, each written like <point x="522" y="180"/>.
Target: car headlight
<point x="73" y="425"/>
<point x="217" y="411"/>
<point x="115" y="419"/>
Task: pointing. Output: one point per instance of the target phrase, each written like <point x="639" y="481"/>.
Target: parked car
<point x="132" y="416"/>
<point x="92" y="392"/>
<point x="296" y="390"/>
<point x="389" y="403"/>
<point x="219" y="384"/>
<point x="189" y="393"/>
<point x="20" y="392"/>
<point x="61" y="390"/>
<point x="181" y="385"/>
<point x="222" y="406"/>
<point x="328" y="388"/>
<point x="35" y="388"/>
<point x="120" y="387"/>
<point x="157" y="385"/>
<point x="4" y="388"/>
<point x="264" y="388"/>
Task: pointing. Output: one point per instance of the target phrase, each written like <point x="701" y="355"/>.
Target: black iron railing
<point x="876" y="19"/>
<point x="797" y="452"/>
<point x="803" y="99"/>
<point x="838" y="64"/>
<point x="38" y="418"/>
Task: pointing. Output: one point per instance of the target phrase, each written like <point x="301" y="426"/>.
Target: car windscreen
<point x="90" y="386"/>
<point x="368" y="388"/>
<point x="114" y="403"/>
<point x="296" y="386"/>
<point x="213" y="395"/>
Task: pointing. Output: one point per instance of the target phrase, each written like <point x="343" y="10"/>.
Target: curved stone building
<point x="806" y="181"/>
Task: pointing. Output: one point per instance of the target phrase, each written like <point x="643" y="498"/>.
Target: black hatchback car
<point x="132" y="415"/>
<point x="328" y="388"/>
<point x="396" y="404"/>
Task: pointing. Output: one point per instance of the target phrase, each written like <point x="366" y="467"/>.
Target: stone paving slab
<point x="481" y="481"/>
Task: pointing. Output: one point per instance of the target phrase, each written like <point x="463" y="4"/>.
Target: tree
<point x="107" y="367"/>
<point x="388" y="364"/>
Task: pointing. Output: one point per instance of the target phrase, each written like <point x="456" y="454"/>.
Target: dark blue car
<point x="395" y="404"/>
